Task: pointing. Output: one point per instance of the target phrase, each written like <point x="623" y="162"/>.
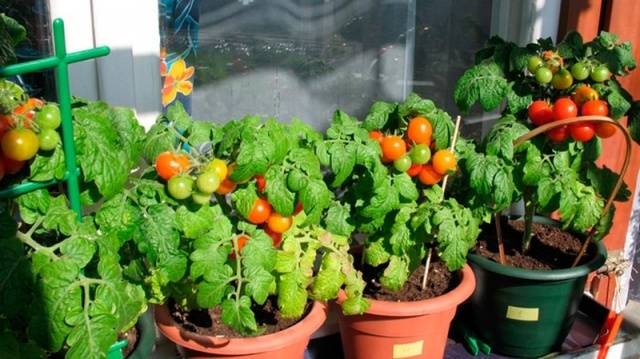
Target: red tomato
<point x="376" y="135"/>
<point x="420" y="130"/>
<point x="582" y="131"/>
<point x="414" y="170"/>
<point x="540" y="112"/>
<point x="564" y="108"/>
<point x="261" y="182"/>
<point x="605" y="130"/>
<point x="298" y="209"/>
<point x="595" y="108"/>
<point x="226" y="186"/>
<point x="169" y="164"/>
<point x="260" y="211"/>
<point x="11" y="166"/>
<point x="393" y="147"/>
<point x="275" y="237"/>
<point x="558" y="134"/>
<point x="429" y="176"/>
<point x="242" y="241"/>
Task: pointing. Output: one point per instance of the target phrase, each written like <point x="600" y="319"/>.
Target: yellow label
<point x="524" y="314"/>
<point x="408" y="350"/>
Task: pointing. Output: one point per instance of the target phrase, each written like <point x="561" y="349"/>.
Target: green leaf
<point x="160" y="138"/>
<point x="33" y="205"/>
<point x="571" y="46"/>
<point x="405" y="186"/>
<point x="244" y="199"/>
<point x="329" y="279"/>
<point x="338" y="219"/>
<point x="78" y="250"/>
<point x="343" y="160"/>
<point x="16" y="280"/>
<point x="376" y="253"/>
<point x="396" y="274"/>
<point x="238" y="315"/>
<point x="48" y="165"/>
<point x="211" y="292"/>
<point x="259" y="282"/>
<point x="292" y="295"/>
<point x="60" y="217"/>
<point x="194" y="224"/>
<point x="280" y="197"/>
<point x="92" y="338"/>
<point x="378" y="115"/>
<point x="603" y="180"/>
<point x="484" y="83"/>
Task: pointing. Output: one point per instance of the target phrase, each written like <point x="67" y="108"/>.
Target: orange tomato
<point x="393" y="147"/>
<point x="420" y="130"/>
<point x="226" y="186"/>
<point x="169" y="164"/>
<point x="376" y="135"/>
<point x="584" y="94"/>
<point x="444" y="161"/>
<point x="428" y="175"/>
<point x="278" y="223"/>
<point x="241" y="240"/>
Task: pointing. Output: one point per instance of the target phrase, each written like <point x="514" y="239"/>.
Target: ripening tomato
<point x="20" y="144"/>
<point x="540" y="112"/>
<point x="562" y="79"/>
<point x="595" y="108"/>
<point x="605" y="130"/>
<point x="260" y="211"/>
<point x="169" y="164"/>
<point x="420" y="130"/>
<point x="240" y="241"/>
<point x="261" y="183"/>
<point x="276" y="238"/>
<point x="558" y="134"/>
<point x="207" y="182"/>
<point x="226" y="186"/>
<point x="582" y="131"/>
<point x="583" y="94"/>
<point x="376" y="135"/>
<point x="11" y="166"/>
<point x="564" y="108"/>
<point x="219" y="167"/>
<point x="414" y="170"/>
<point x="393" y="147"/>
<point x="444" y="161"/>
<point x="279" y="223"/>
<point x="428" y="175"/>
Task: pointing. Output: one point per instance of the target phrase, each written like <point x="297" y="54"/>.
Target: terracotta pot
<point x="404" y="329"/>
<point x="288" y="343"/>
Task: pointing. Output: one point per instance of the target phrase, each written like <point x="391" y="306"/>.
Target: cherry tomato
<point x="20" y="144"/>
<point x="208" y="182"/>
<point x="49" y="117"/>
<point x="27" y="109"/>
<point x="241" y="241"/>
<point x="393" y="147"/>
<point x="402" y="164"/>
<point x="428" y="175"/>
<point x="376" y="135"/>
<point x="544" y="75"/>
<point x="276" y="238"/>
<point x="48" y="139"/>
<point x="605" y="130"/>
<point x="420" y="154"/>
<point x="299" y="208"/>
<point x="260" y="211"/>
<point x="564" y="108"/>
<point x="11" y="166"/>
<point x="583" y="94"/>
<point x="444" y="161"/>
<point x="601" y="73"/>
<point x="582" y="131"/>
<point x="553" y="60"/>
<point x="558" y="134"/>
<point x="169" y="164"/>
<point x="261" y="183"/>
<point x="201" y="198"/>
<point x="226" y="186"/>
<point x="562" y="79"/>
<point x="595" y="107"/>
<point x="278" y="223"/>
<point x="580" y="71"/>
<point x="540" y="112"/>
<point x="420" y="130"/>
<point x="180" y="187"/>
<point x="219" y="167"/>
<point x="414" y="170"/>
<point x="533" y="63"/>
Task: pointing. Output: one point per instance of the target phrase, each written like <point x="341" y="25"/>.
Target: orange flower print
<point x="177" y="80"/>
<point x="163" y="62"/>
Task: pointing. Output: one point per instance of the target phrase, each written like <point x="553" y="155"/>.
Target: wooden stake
<point x="497" y="220"/>
<point x="456" y="131"/>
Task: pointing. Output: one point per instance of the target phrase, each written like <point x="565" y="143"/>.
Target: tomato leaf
<point x="484" y="83"/>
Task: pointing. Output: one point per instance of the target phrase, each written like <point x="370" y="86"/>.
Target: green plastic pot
<point x="528" y="313"/>
<point x="146" y="340"/>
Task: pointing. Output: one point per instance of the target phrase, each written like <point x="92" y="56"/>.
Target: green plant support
<point x="59" y="62"/>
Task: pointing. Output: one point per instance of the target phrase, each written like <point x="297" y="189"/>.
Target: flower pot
<point x="146" y="340"/>
<point x="404" y="329"/>
<point x="527" y="313"/>
<point x="288" y="343"/>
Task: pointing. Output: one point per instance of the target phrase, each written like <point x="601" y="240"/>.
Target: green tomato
<point x="580" y="71"/>
<point x="402" y="164"/>
<point x="296" y="180"/>
<point x="600" y="74"/>
<point x="534" y="63"/>
<point x="562" y="80"/>
<point x="201" y="198"/>
<point x="180" y="187"/>
<point x="207" y="182"/>
<point x="420" y="154"/>
<point x="48" y="139"/>
<point x="48" y="117"/>
<point x="544" y="75"/>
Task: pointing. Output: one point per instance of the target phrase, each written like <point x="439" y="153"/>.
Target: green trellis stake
<point x="60" y="63"/>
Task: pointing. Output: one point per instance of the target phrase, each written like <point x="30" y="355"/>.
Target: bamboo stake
<point x="503" y="258"/>
<point x="454" y="139"/>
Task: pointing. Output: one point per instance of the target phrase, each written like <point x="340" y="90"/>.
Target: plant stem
<point x="426" y="270"/>
<point x="529" y="208"/>
<point x="35" y="226"/>
<point x="498" y="222"/>
<point x="238" y="268"/>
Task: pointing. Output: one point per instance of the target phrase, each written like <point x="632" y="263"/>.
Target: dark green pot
<point x="527" y="313"/>
<point x="146" y="340"/>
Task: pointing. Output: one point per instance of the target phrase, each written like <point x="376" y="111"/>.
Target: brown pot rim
<point x="432" y="305"/>
<point x="302" y="330"/>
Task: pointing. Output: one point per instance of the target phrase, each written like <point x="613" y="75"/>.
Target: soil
<point x="439" y="282"/>
<point x="551" y="247"/>
<point x="208" y="321"/>
<point x="131" y="336"/>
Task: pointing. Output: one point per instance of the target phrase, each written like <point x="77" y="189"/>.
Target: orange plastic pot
<point x="288" y="343"/>
<point x="404" y="329"/>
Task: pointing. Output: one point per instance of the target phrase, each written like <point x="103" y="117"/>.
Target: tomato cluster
<point x="413" y="154"/>
<point x="584" y="101"/>
<point x="550" y="69"/>
<point x="31" y="127"/>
